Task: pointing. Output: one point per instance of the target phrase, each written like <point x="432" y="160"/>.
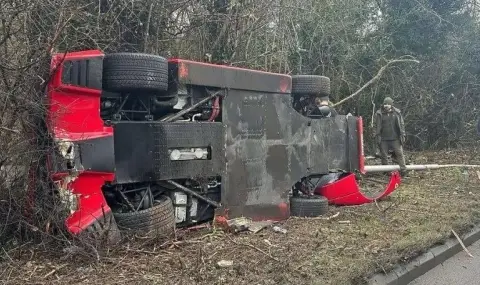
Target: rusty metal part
<point x="193" y="107"/>
<point x="130" y="205"/>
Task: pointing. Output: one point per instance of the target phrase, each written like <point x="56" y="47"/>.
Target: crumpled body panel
<point x="346" y="191"/>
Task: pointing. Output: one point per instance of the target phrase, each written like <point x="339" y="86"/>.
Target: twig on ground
<point x="374" y="180"/>
<point x="119" y="263"/>
<point x="333" y="216"/>
<point x="95" y="251"/>
<point x="320" y="218"/>
<point x="148" y="252"/>
<point x="33" y="271"/>
<point x="381" y="267"/>
<point x="10" y="130"/>
<point x="54" y="270"/>
<point x="410" y="210"/>
<point x="256" y="248"/>
<point x="390" y="206"/>
<point x="171" y="244"/>
<point x="461" y="243"/>
<point x="268" y="255"/>
<point x="9" y="274"/>
<point x="6" y="254"/>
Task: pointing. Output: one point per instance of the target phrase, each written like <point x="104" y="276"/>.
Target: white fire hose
<point x="389" y="168"/>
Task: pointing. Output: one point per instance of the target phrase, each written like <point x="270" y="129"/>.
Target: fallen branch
<point x="256" y="248"/>
<point x="6" y="254"/>
<point x="390" y="206"/>
<point x="10" y="130"/>
<point x="378" y="206"/>
<point x="410" y="210"/>
<point x="375" y="78"/>
<point x="54" y="270"/>
<point x="461" y="243"/>
<point x="318" y="218"/>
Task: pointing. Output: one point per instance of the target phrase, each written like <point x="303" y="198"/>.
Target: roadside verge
<point x="406" y="273"/>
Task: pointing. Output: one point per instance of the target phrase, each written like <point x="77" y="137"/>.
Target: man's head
<point x="321" y="101"/>
<point x="387" y="103"/>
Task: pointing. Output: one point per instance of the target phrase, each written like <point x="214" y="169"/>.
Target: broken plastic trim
<point x="68" y="199"/>
<point x="346" y="191"/>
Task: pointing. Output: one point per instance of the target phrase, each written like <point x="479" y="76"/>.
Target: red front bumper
<point x="74" y="116"/>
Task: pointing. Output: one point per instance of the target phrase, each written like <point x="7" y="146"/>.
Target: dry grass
<point x="343" y="250"/>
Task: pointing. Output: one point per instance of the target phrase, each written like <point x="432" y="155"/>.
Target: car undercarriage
<point x="155" y="144"/>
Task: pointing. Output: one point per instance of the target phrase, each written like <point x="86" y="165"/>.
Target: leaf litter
<point x="344" y="247"/>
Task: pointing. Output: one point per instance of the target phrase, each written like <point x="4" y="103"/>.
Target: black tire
<point x="159" y="220"/>
<point x="308" y="206"/>
<point x="125" y="72"/>
<point x="103" y="231"/>
<point x="310" y="85"/>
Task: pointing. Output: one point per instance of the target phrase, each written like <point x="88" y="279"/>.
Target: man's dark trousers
<point x="397" y="148"/>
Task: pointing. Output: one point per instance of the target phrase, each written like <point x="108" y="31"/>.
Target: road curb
<point x="406" y="273"/>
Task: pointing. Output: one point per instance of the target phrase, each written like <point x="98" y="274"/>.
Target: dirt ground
<point x="345" y="249"/>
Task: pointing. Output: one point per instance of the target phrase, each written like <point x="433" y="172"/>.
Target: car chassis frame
<point x="258" y="147"/>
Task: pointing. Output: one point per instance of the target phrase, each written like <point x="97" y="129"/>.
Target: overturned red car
<point x="150" y="144"/>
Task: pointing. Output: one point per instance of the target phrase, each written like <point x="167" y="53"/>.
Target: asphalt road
<point x="458" y="270"/>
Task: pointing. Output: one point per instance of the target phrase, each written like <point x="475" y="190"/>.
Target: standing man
<point x="390" y="133"/>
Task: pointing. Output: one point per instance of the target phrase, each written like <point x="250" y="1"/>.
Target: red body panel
<point x="74" y="115"/>
<point x="74" y="112"/>
<point x="346" y="192"/>
<point x="361" y="153"/>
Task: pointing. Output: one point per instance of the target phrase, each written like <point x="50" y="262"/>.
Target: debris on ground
<point x="418" y="215"/>
<point x="243" y="224"/>
<point x="225" y="263"/>
<point x="278" y="229"/>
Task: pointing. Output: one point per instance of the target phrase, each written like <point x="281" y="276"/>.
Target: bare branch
<point x="374" y="79"/>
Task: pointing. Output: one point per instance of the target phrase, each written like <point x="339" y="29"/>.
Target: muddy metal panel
<point x="97" y="154"/>
<point x="142" y="150"/>
<point x="334" y="145"/>
<point x="269" y="146"/>
<point x="353" y="143"/>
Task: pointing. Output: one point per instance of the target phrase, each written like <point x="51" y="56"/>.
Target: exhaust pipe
<point x="417" y="167"/>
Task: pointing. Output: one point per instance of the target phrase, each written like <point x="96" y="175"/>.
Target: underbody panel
<point x="270" y="146"/>
<point x="186" y="72"/>
<point x="142" y="150"/>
